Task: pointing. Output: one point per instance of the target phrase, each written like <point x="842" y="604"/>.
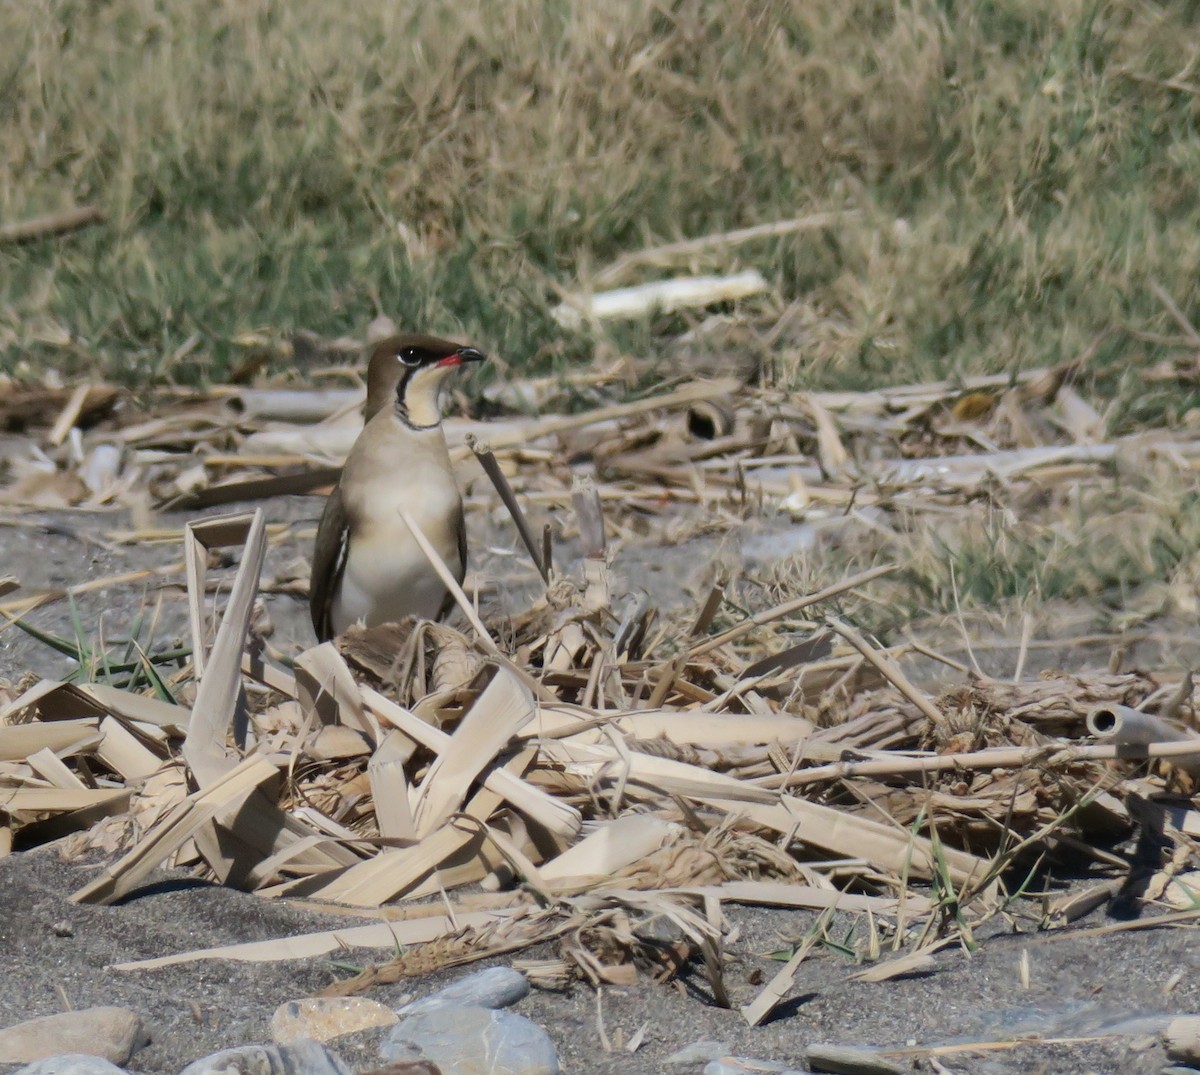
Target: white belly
<point x="376" y="590"/>
<point x="387" y="577"/>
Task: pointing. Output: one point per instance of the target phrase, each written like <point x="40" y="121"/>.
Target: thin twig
<point x="786" y="609"/>
<point x="44" y="227"/>
<point x="962" y="625"/>
<point x="887" y="668"/>
<point x="449" y="581"/>
<point x="688" y="247"/>
<point x="991" y="1046"/>
<point x="1181" y="695"/>
<point x="1023" y="652"/>
<point x="1177" y="315"/>
<point x="491" y="468"/>
<point x="1048" y="755"/>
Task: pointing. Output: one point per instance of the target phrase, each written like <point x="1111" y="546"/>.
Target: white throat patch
<point x="422" y="395"/>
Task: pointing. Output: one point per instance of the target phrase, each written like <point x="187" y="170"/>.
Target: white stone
<point x="326" y="1018"/>
<point x="71" y="1064"/>
<point x="112" y="1033"/>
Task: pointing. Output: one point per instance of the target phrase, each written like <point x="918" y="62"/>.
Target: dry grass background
<point x="1023" y="172"/>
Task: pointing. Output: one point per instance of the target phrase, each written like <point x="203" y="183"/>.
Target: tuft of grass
<point x="127" y="662"/>
<point x="1022" y="174"/>
<point x="1102" y="545"/>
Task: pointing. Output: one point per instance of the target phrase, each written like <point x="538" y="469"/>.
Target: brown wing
<point x="449" y="603"/>
<point x="328" y="563"/>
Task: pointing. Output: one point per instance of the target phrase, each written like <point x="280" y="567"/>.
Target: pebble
<point x="496" y="987"/>
<point x="70" y="1064"/>
<point x="304" y="1057"/>
<point x="114" y="1034"/>
<point x="846" y="1058"/>
<point x="741" y="1065"/>
<point x="699" y="1051"/>
<point x="326" y="1018"/>
<point x="471" y="1041"/>
<point x="407" y="1067"/>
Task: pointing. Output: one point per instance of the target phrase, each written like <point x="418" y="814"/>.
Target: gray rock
<point x="112" y="1033"/>
<point x="849" y="1058"/>
<point x="298" y="1058"/>
<point x="741" y="1065"/>
<point x="496" y="987"/>
<point x="472" y="1041"/>
<point x="698" y="1052"/>
<point x="407" y="1067"/>
<point x="71" y="1064"/>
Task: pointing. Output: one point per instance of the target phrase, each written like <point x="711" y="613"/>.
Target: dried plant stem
<point x="15" y="609"/>
<point x="1177" y="315"/>
<point x="491" y="468"/>
<point x="1181" y="694"/>
<point x="44" y="227"/>
<point x="666" y="681"/>
<point x="780" y="611"/>
<point x="1005" y="758"/>
<point x="564" y="423"/>
<point x="991" y="1046"/>
<point x="668" y="252"/>
<point x="887" y="668"/>
<point x="464" y="603"/>
<point x="449" y="581"/>
<point x="69" y="415"/>
<point x="705" y="617"/>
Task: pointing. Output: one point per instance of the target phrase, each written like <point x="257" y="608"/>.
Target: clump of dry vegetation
<point x="599" y="769"/>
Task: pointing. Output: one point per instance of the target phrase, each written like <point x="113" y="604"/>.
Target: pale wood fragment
<point x="219" y="695"/>
<point x="52" y="224"/>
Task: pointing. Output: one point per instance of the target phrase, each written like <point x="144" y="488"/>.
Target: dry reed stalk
<point x="788" y="608"/>
<point x="668" y="253"/>
<point x="487" y="460"/>
<point x="666" y="295"/>
<point x="219" y="695"/>
<point x="53" y="224"/>
<point x="678" y="769"/>
<point x="1048" y="755"/>
<point x="450" y="582"/>
<point x="888" y="668"/>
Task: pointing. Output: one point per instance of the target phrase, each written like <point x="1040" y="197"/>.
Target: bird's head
<point x="407" y="372"/>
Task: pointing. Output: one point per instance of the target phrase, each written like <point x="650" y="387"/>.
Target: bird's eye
<point x="410" y="356"/>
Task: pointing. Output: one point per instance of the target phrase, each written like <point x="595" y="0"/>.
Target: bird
<point x="367" y="567"/>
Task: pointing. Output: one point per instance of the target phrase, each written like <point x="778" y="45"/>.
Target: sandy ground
<point x="55" y="954"/>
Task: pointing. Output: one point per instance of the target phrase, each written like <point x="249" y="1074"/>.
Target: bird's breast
<point x="385" y="582"/>
<point x="387" y="576"/>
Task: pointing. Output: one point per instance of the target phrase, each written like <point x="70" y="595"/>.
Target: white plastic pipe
<point x="1122" y="725"/>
